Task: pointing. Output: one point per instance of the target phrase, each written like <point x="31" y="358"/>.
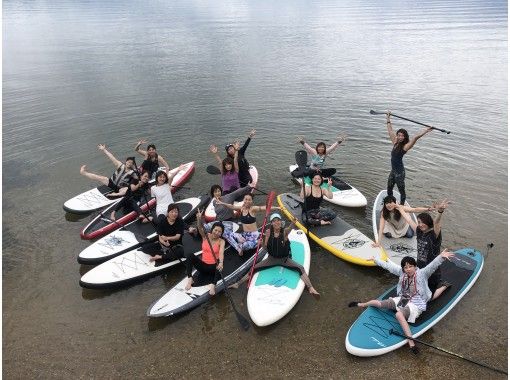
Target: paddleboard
<point x="274" y="291"/>
<point x="102" y="225"/>
<point x="134" y="265"/>
<point x="395" y="248"/>
<point x="210" y="214"/>
<point x="370" y="333"/>
<point x="134" y="234"/>
<point x="344" y="194"/>
<point x="178" y="300"/>
<point x="339" y="238"/>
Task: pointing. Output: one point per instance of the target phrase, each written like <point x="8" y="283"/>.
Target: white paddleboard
<point x="273" y="292"/>
<point x="344" y="195"/>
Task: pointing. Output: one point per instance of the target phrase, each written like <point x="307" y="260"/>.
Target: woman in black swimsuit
<point x="313" y="213"/>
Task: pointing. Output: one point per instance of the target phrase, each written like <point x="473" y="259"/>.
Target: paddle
<point x="301" y="157"/>
<point x="242" y="320"/>
<point x="372" y="112"/>
<point x="269" y="204"/>
<point x="393" y="332"/>
<point x="211" y="169"/>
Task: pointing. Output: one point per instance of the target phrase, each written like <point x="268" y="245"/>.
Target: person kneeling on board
<point x="312" y="195"/>
<point x="211" y="263"/>
<point x="428" y="236"/>
<point x="170" y="229"/>
<point x="276" y="241"/>
<point x="413" y="292"/>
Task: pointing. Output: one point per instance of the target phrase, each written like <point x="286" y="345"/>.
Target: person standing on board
<point x="401" y="145"/>
<point x="243" y="165"/>
<point x="413" y="292"/>
<point x="119" y="180"/>
<point x="429" y="238"/>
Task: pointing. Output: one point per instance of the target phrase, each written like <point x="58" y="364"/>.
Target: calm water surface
<point x="185" y="74"/>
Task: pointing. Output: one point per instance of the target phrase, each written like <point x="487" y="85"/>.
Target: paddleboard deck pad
<point x="370" y="333"/>
<point x="274" y="291"/>
<point x="395" y="248"/>
<point x="339" y="238"/>
<point x="343" y="193"/>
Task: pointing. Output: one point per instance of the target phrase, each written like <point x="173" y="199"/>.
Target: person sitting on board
<point x="391" y="222"/>
<point x="242" y="162"/>
<point x="247" y="239"/>
<point x="229" y="168"/>
<point x="152" y="160"/>
<point x="276" y="241"/>
<point x="211" y="261"/>
<point x="170" y="228"/>
<point x="136" y="190"/>
<point x="312" y="195"/>
<point x="413" y="292"/>
<point x="320" y="152"/>
<point x="401" y="145"/>
<point x="429" y="238"/>
<point x="119" y="180"/>
<point x="162" y="189"/>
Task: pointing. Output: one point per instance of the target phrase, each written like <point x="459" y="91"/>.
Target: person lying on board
<point x="247" y="239"/>
<point x="312" y="196"/>
<point x="211" y="262"/>
<point x="391" y="222"/>
<point x="229" y="168"/>
<point x="413" y="292"/>
<point x="137" y="190"/>
<point x="401" y="145"/>
<point x="162" y="189"/>
<point x="429" y="238"/>
<point x="152" y="160"/>
<point x="242" y="162"/>
<point x="276" y="241"/>
<point x="320" y="153"/>
<point x="119" y="180"/>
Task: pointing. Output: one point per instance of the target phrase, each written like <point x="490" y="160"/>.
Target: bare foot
<point x="112" y="216"/>
<point x="235" y="285"/>
<point x="324" y="222"/>
<point x="83" y="169"/>
<point x="212" y="290"/>
<point x="155" y="257"/>
<point x="314" y="292"/>
<point x="240" y="253"/>
<point x="188" y="285"/>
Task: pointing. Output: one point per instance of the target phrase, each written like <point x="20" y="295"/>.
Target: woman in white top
<point x="162" y="190"/>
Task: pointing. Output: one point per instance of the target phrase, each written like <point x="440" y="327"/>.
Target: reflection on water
<point x="185" y="75"/>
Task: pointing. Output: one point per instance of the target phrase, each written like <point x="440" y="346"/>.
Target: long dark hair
<point x="320" y="144"/>
<point x="426" y="219"/>
<point x="228" y="160"/>
<point x="385" y="212"/>
<point x="213" y="189"/>
<point x="399" y="146"/>
<point x="218" y="224"/>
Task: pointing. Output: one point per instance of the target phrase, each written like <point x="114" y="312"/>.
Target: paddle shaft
<point x="448" y="352"/>
<point x="242" y="320"/>
<point x="372" y="112"/>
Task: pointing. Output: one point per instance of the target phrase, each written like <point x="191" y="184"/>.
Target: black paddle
<point x="372" y="112"/>
<point x="242" y="320"/>
<point x="393" y="332"/>
<point x="214" y="170"/>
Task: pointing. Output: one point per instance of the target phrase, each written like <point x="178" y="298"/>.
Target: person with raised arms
<point x="320" y="153"/>
<point x="229" y="168"/>
<point x="276" y="241"/>
<point x="152" y="160"/>
<point x="247" y="239"/>
<point x="136" y="190"/>
<point x="122" y="176"/>
<point x="391" y="222"/>
<point x="429" y="238"/>
<point x="242" y="162"/>
<point x="312" y="196"/>
<point x="401" y="145"/>
<point x="212" y="259"/>
<point x="413" y="292"/>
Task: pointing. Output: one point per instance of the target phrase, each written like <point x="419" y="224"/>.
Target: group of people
<point x="420" y="279"/>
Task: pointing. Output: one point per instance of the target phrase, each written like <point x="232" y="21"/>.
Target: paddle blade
<point x="301" y="158"/>
<point x="245" y="325"/>
<point x="211" y="169"/>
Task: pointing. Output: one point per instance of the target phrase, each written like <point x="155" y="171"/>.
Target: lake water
<point x="185" y="74"/>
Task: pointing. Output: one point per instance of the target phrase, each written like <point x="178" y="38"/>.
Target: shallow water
<point x="187" y="74"/>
